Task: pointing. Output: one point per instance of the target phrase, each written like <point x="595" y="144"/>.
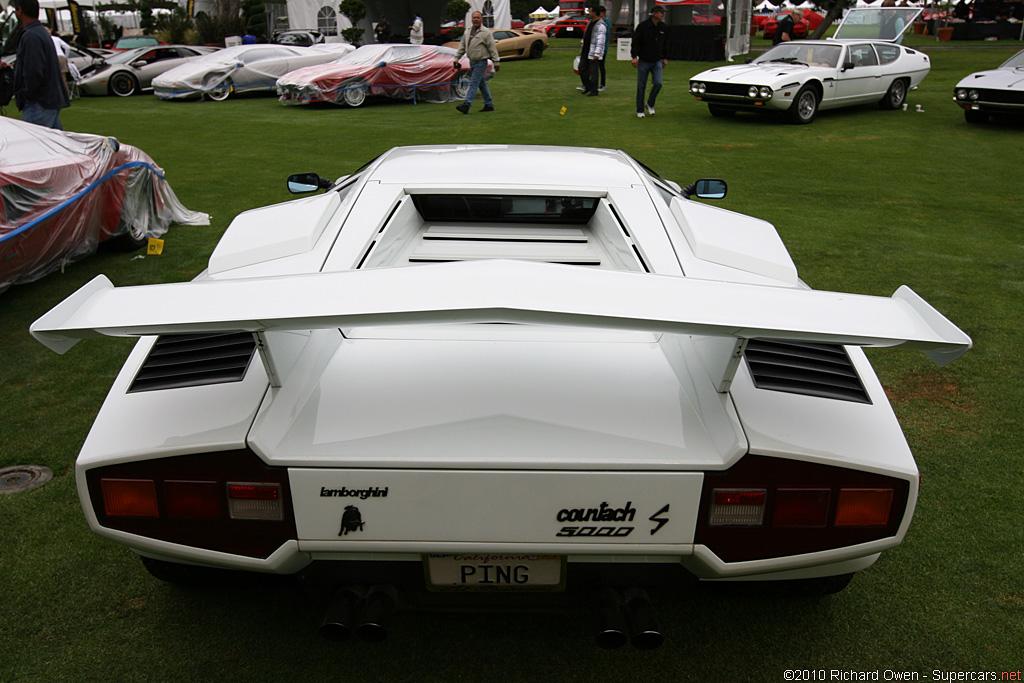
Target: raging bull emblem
<point x="351" y="520"/>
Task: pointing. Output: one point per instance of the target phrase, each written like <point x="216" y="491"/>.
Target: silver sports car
<point x="243" y="68"/>
<point x="132" y="71"/>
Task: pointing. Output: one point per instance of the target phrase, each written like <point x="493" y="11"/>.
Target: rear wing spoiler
<point x="501" y="291"/>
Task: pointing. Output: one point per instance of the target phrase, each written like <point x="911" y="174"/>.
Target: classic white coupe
<point x="861" y="65"/>
<point x="997" y="91"/>
<point x="438" y="382"/>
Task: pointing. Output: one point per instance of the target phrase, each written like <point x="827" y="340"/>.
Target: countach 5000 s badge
<point x="608" y="520"/>
<point x="351" y="520"/>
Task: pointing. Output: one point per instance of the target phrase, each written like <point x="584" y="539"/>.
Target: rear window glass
<point x="504" y="209"/>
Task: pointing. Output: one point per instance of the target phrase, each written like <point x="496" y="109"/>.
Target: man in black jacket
<point x="648" y="53"/>
<point x="39" y="90"/>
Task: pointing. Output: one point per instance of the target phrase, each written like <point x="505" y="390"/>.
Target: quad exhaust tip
<point x="625" y="617"/>
<point x="360" y="611"/>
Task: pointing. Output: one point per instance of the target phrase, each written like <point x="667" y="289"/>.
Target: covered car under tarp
<point x="61" y="194"/>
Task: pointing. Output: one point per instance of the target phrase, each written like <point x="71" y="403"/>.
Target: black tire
<point x="720" y="111"/>
<point x="536" y="50"/>
<point x="460" y="88"/>
<point x="974" y="116"/>
<point x="131" y="240"/>
<point x="895" y="96"/>
<point x="354" y="92"/>
<point x="804" y="107"/>
<point x="123" y="84"/>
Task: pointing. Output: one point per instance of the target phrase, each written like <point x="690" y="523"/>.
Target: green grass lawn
<point x="866" y="201"/>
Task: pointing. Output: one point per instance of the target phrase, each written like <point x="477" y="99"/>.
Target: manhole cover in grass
<point x="23" y="478"/>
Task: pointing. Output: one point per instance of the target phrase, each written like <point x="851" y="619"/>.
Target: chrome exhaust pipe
<point x="645" y="632"/>
<point x="373" y="620"/>
<point x="610" y="623"/>
<point x="340" y="615"/>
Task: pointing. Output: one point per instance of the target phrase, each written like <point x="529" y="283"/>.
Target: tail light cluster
<point x="767" y="507"/>
<point x="227" y="501"/>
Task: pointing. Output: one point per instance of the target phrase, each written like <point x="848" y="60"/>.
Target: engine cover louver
<point x="190" y="360"/>
<point x="822" y="370"/>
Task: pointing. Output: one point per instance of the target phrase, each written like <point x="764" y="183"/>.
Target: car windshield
<point x="884" y="23"/>
<point x="796" y="52"/>
<point x="301" y="39"/>
<point x="1014" y="62"/>
<point x="127" y="56"/>
<point x="141" y="41"/>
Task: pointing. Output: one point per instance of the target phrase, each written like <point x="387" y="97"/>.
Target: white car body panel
<point x="855" y="67"/>
<point x="996" y="91"/>
<point x="466" y="407"/>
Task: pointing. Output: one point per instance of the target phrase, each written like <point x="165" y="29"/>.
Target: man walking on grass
<point x="648" y="53"/>
<point x="477" y="44"/>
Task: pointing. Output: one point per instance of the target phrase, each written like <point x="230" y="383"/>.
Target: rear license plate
<point x="494" y="572"/>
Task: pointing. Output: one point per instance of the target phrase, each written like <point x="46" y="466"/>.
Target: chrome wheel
<point x="804" y="107"/>
<point x="354" y="92"/>
<point x="123" y="84"/>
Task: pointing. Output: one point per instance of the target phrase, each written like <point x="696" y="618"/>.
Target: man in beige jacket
<point x="477" y="44"/>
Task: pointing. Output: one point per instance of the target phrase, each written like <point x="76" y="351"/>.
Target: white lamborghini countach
<point x="477" y="374"/>
<point x="862" y="64"/>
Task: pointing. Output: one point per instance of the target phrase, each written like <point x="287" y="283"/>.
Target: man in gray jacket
<point x="477" y="44"/>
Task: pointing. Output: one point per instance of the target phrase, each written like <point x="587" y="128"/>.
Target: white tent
<point x="539" y="13"/>
<point x="316" y="14"/>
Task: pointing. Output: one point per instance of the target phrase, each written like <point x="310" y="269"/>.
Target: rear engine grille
<point x="191" y="360"/>
<point x="822" y="370"/>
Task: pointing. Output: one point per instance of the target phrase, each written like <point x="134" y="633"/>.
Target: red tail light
<point x="130" y="498"/>
<point x="192" y="499"/>
<point x="801" y="507"/>
<point x="864" y="507"/>
<point x="767" y="507"/>
<point x="228" y="501"/>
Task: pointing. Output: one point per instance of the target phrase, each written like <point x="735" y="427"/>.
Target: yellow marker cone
<point x="563" y="111"/>
<point x="155" y="247"/>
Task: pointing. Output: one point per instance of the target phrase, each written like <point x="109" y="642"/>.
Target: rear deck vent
<point x="823" y="370"/>
<point x="191" y="360"/>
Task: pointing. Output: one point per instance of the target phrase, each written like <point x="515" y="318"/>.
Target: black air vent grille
<point x="822" y="370"/>
<point x="191" y="360"/>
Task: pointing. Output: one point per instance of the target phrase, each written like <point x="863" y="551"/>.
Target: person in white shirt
<point x="416" y="31"/>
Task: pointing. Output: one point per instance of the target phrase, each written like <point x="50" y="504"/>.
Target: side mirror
<point x="301" y="183"/>
<point x="138" y="63"/>
<point x="847" y="65"/>
<point x="710" y="188"/>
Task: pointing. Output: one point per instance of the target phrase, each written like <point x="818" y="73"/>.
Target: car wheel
<point x="895" y="96"/>
<point x="536" y="50"/>
<point x="972" y="116"/>
<point x="123" y="84"/>
<point x="219" y="92"/>
<point x="719" y="110"/>
<point x="460" y="88"/>
<point x="132" y="239"/>
<point x="804" y="107"/>
<point x="354" y="92"/>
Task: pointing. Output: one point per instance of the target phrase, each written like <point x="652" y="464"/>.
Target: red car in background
<point x="568" y="27"/>
<point x="410" y="72"/>
<point x="799" y="28"/>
